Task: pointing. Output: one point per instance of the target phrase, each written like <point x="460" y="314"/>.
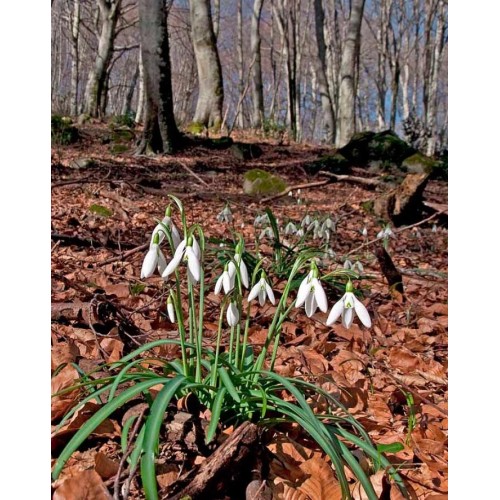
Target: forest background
<point x="473" y="342"/>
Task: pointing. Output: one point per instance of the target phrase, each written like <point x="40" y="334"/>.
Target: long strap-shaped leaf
<point x="93" y="422"/>
<point x="155" y="419"/>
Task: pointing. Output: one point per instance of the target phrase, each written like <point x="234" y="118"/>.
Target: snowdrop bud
<point x="290" y="193"/>
<point x="170" y="309"/>
<point x="232" y="315"/>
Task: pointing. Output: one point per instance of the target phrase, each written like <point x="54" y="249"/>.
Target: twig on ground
<point x="351" y="178"/>
<point x="308" y="185"/>
<point x="124" y="255"/>
<point x="194" y="174"/>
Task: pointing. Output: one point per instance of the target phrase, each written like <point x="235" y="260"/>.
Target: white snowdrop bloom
<point x="290" y="228"/>
<point x="153" y="259"/>
<point x="346" y="307"/>
<point x="169" y="224"/>
<point x="225" y="215"/>
<point x="434" y="228"/>
<point x="226" y="281"/>
<point x="266" y="233"/>
<point x="290" y="193"/>
<point x="187" y="251"/>
<point x="241" y="266"/>
<point x="311" y="293"/>
<point x="298" y="191"/>
<point x="347" y="264"/>
<point x="299" y="233"/>
<point x="232" y="315"/>
<point x="364" y="232"/>
<point x="306" y="221"/>
<point x="261" y="290"/>
<point x="386" y="233"/>
<point x="313" y="226"/>
<point x="328" y="224"/>
<point x="170" y="309"/>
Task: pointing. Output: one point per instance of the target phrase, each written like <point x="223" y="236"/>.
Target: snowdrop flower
<point x="154" y="258"/>
<point x="290" y="193"/>
<point x="266" y="233"/>
<point x="311" y="293"/>
<point x="434" y="228"/>
<point x="290" y="228"/>
<point x="386" y="233"/>
<point x="225" y="215"/>
<point x="187" y="251"/>
<point x="306" y="221"/>
<point x="225" y="280"/>
<point x="232" y="315"/>
<point x="346" y="307"/>
<point x="328" y="224"/>
<point x="299" y="233"/>
<point x="238" y="258"/>
<point x="260" y="290"/>
<point x="166" y="223"/>
<point x="313" y="226"/>
<point x="347" y="264"/>
<point x="364" y="232"/>
<point x="170" y="309"/>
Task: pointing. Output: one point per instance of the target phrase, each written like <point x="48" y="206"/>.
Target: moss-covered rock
<point x="243" y="151"/>
<point x="220" y="143"/>
<point x="82" y="163"/>
<point x="336" y="164"/>
<point x="122" y="135"/>
<point x="117" y="149"/>
<point x="382" y="146"/>
<point x="418" y="164"/>
<point x="62" y="130"/>
<point x="260" y="182"/>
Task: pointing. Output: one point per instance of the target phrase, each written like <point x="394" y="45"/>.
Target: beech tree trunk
<point x="346" y="125"/>
<point x="160" y="133"/>
<point x="109" y="10"/>
<point x="140" y="93"/>
<point x="328" y="119"/>
<point x="75" y="36"/>
<point x="257" y="116"/>
<point x="211" y="93"/>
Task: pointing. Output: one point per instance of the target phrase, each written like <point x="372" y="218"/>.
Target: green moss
<point x="100" y="210"/>
<point x="336" y="164"/>
<point x="196" y="128"/>
<point x="367" y="206"/>
<point x="127" y="120"/>
<point x="260" y="182"/>
<point x="122" y="135"/>
<point x="117" y="149"/>
<point x="419" y="163"/>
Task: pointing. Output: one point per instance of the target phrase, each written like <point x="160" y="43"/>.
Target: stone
<point x="418" y="164"/>
<point x="335" y="163"/>
<point x="81" y="163"/>
<point x="260" y="182"/>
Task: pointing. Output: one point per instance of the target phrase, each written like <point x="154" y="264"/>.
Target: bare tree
<point x="346" y="124"/>
<point x="257" y="116"/>
<point x="210" y="93"/>
<point x="160" y="133"/>
<point x="108" y="13"/>
<point x="328" y="119"/>
<point x="75" y="36"/>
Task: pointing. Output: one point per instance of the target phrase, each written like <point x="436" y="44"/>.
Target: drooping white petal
<point x="254" y="292"/>
<point x="149" y="262"/>
<point x="171" y="312"/>
<point x="362" y="313"/>
<point x="243" y="270"/>
<point x="194" y="264"/>
<point x="196" y="249"/>
<point x="262" y="295"/>
<point x="304" y="290"/>
<point x="347" y="317"/>
<point x="218" y="285"/>
<point x="176" y="239"/>
<point x="233" y="315"/>
<point x="349" y="300"/>
<point x="335" y="312"/>
<point x="270" y="294"/>
<point x="227" y="282"/>
<point x="162" y="262"/>
<point x="320" y="295"/>
<point x="231" y="269"/>
<point x="310" y="304"/>
<point x="176" y="259"/>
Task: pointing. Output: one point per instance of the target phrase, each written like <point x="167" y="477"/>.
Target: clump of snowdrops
<point x="235" y="383"/>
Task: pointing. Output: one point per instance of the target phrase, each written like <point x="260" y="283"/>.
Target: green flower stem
<point x="192" y="322"/>
<point x="245" y="336"/>
<point x="231" y="340"/>
<point x="278" y="331"/>
<point x="199" y="339"/>
<point x="180" y="324"/>
<point x="217" y="348"/>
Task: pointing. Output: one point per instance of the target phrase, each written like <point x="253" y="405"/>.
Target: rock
<point x="385" y="147"/>
<point x="418" y="164"/>
<point x="117" y="149"/>
<point x="260" y="182"/>
<point x="122" y="135"/>
<point x="220" y="143"/>
<point x="243" y="151"/>
<point x="81" y="163"/>
<point x="336" y="164"/>
<point x="82" y="119"/>
<point x="403" y="204"/>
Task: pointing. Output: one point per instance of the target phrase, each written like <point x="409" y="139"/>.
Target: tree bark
<point x="346" y="125"/>
<point x="75" y="36"/>
<point x="211" y="92"/>
<point x="160" y="133"/>
<point x="241" y="66"/>
<point x="109" y="10"/>
<point x="140" y="93"/>
<point x="328" y="119"/>
<point x="257" y="116"/>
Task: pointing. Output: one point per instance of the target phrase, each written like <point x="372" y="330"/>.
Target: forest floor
<point x="97" y="258"/>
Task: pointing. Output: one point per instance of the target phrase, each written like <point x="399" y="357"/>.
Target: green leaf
<point x="100" y="210"/>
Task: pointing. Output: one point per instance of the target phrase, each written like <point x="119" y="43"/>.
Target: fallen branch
<point x="67" y="240"/>
<point x="124" y="255"/>
<point x="194" y="174"/>
<point x="351" y="178"/>
<point x="309" y="185"/>
<point x="230" y="456"/>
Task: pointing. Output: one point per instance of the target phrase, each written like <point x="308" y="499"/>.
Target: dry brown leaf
<point x="114" y="349"/>
<point x="67" y="377"/>
<point x="64" y="352"/>
<point x="320" y="483"/>
<point x="104" y="466"/>
<point x="86" y="485"/>
<point x="404" y="360"/>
